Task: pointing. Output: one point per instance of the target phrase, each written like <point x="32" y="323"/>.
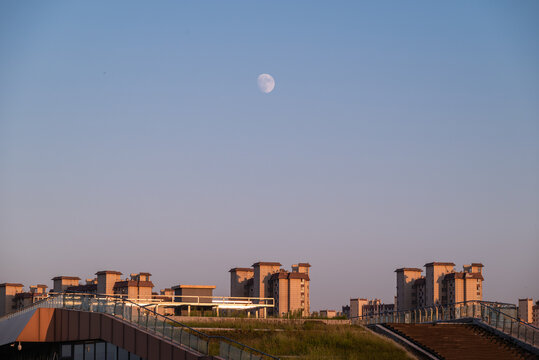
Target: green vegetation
<point x="310" y="340"/>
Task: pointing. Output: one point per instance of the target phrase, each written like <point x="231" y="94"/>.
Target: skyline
<point x="135" y="138"/>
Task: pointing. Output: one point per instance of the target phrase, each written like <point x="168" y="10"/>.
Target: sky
<point x="133" y="137"/>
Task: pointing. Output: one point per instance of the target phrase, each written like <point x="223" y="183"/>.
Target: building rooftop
<point x="295" y="275"/>
<point x="304" y="264"/>
<point x="267" y="263"/>
<point x="82" y="288"/>
<point x="11" y="284"/>
<point x="436" y="263"/>
<point x="241" y="269"/>
<point x="66" y="278"/>
<point x="193" y="287"/>
<point x="127" y="283"/>
<point x="408" y="269"/>
<point x="462" y="275"/>
<point x="105" y="272"/>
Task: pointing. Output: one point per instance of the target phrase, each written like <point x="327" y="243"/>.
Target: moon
<point x="266" y="83"/>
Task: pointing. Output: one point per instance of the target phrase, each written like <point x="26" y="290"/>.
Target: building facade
<point x="441" y="285"/>
<point x="525" y="310"/>
<point x="362" y="307"/>
<point x="289" y="289"/>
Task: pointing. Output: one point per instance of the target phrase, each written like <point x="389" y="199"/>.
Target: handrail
<point x="437" y="306"/>
<point x="485" y="312"/>
<point x="60" y="300"/>
<point x="199" y="332"/>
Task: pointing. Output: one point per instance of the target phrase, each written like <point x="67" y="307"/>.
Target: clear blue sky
<point x="133" y="138"/>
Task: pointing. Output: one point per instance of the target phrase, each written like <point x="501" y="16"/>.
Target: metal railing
<point x="203" y="300"/>
<point x="150" y="321"/>
<point x="494" y="315"/>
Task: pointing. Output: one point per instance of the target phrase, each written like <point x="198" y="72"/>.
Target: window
<point x="122" y="354"/>
<point x="78" y="352"/>
<point x="65" y="352"/>
<point x="111" y="352"/>
<point x="100" y="350"/>
<point x="89" y="349"/>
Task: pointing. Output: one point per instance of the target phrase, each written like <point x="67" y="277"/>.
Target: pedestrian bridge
<point x="83" y="326"/>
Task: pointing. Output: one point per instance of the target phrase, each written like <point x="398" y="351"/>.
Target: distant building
<point x="441" y="285"/>
<point x="346" y="311"/>
<point x="61" y="283"/>
<point x="36" y="293"/>
<point x="528" y="312"/>
<point x="536" y="314"/>
<point x="525" y="310"/>
<point x="328" y="313"/>
<point x="363" y="307"/>
<point x="192" y="294"/>
<point x="138" y="286"/>
<point x="290" y="290"/>
<point x="8" y="291"/>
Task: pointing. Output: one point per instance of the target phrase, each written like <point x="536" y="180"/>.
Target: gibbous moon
<point x="266" y="83"/>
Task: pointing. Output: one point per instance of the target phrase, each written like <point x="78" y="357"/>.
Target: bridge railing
<point x="498" y="316"/>
<point x="150" y="321"/>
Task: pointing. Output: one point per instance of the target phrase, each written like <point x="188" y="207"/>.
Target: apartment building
<point x="363" y="307"/>
<point x="525" y="310"/>
<point x="8" y="291"/>
<point x="441" y="285"/>
<point x="289" y="289"/>
<point x="138" y="286"/>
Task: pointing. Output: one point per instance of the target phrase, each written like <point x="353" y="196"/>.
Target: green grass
<point x="311" y="340"/>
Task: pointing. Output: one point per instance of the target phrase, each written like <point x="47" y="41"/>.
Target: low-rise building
<point x="328" y="313"/>
<point x="362" y="307"/>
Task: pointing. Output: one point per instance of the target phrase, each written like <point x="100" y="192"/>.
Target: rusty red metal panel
<point x="118" y="333"/>
<point x="141" y="344"/>
<point x="65" y="325"/>
<point x="153" y="348"/>
<point x="106" y="328"/>
<point x="95" y="326"/>
<point x="191" y="356"/>
<point x="178" y="354"/>
<point x="73" y="325"/>
<point x="57" y="324"/>
<point x="166" y="351"/>
<point x="129" y="339"/>
<point x="84" y="325"/>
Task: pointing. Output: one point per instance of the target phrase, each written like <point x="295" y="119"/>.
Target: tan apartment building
<point x="536" y="314"/>
<point x="61" y="283"/>
<point x="363" y="307"/>
<point x="525" y="310"/>
<point x="406" y="294"/>
<point x="8" y="291"/>
<point x="12" y="296"/>
<point x="290" y="290"/>
<point x="36" y="293"/>
<point x="441" y="285"/>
